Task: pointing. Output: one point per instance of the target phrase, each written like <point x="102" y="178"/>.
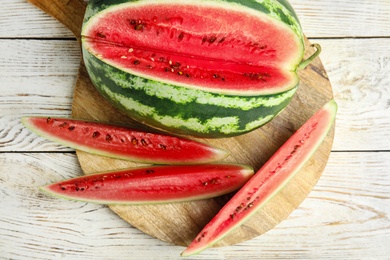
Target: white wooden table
<point x="346" y="216"/>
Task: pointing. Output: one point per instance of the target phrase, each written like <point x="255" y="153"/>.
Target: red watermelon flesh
<point x="154" y="184"/>
<point x="122" y="142"/>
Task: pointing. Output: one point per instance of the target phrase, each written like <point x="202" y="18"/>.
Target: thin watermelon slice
<point x="154" y="184"/>
<point x="122" y="143"/>
<point x="211" y="68"/>
<point x="268" y="181"/>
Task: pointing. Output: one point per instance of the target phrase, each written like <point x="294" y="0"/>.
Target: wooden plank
<point x="37" y="77"/>
<point x="22" y="19"/>
<point x="324" y="18"/>
<point x="346" y="215"/>
<point x="37" y="58"/>
<point x="64" y="9"/>
<point x="358" y="70"/>
<point x="319" y="19"/>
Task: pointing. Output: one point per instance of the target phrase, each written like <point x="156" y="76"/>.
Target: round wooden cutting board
<point x="179" y="223"/>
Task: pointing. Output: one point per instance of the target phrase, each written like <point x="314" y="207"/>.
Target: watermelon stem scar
<point x="306" y="62"/>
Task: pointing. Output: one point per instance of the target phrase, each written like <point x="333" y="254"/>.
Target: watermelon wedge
<point x="122" y="143"/>
<point x="212" y="68"/>
<point x="268" y="181"/>
<point x="154" y="184"/>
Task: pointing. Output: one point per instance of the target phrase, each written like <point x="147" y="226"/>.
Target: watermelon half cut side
<point x="154" y="184"/>
<point x="211" y="68"/>
<point x="268" y="181"/>
<point x="120" y="142"/>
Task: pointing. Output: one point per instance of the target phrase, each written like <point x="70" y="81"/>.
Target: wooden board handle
<point x="68" y="12"/>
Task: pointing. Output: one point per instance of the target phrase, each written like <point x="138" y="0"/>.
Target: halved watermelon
<point x="207" y="68"/>
<point x="268" y="181"/>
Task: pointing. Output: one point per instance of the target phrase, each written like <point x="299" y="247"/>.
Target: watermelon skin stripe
<point x="189" y="116"/>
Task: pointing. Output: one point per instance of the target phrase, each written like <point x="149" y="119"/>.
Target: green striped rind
<point x="180" y="109"/>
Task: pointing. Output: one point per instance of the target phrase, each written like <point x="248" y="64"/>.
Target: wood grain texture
<point x="360" y="79"/>
<point x="36" y="80"/>
<point x="20" y="19"/>
<point x="360" y="18"/>
<point x="61" y="9"/>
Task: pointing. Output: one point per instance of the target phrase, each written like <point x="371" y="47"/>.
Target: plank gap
<point x="37" y="152"/>
<point x="349" y="37"/>
<point x="360" y="151"/>
<point x="39" y="38"/>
